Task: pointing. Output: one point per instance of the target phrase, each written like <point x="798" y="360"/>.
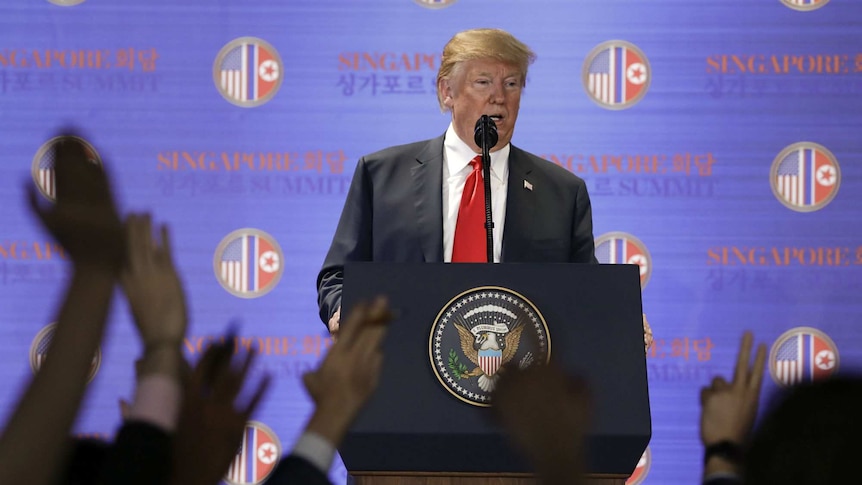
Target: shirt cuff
<point x="157" y="401"/>
<point x="316" y="450"/>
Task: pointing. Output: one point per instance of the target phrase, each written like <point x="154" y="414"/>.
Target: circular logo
<point x="257" y="456"/>
<point x="435" y="3"/>
<point x="804" y="5"/>
<point x="248" y="72"/>
<point x="39" y="351"/>
<point x="642" y="468"/>
<point x="801" y="355"/>
<point x="623" y="248"/>
<point x="616" y="74"/>
<point x="480" y="331"/>
<point x="805" y="177"/>
<point x="42" y="167"/>
<point x="248" y="263"/>
<point x="66" y="3"/>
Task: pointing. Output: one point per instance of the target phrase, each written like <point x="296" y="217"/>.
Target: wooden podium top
<point x="429" y="478"/>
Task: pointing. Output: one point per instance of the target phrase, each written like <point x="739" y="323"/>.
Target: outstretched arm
<point x="35" y="443"/>
<point x="340" y="386"/>
<point x="211" y="421"/>
<point x="156" y="298"/>
<point x="142" y="451"/>
<point x="348" y="375"/>
<point x="728" y="411"/>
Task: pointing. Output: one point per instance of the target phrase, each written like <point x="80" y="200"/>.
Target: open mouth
<point x="496" y="118"/>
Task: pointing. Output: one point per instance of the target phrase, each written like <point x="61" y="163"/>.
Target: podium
<point x="415" y="430"/>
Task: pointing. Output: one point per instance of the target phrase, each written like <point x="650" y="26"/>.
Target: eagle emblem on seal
<point x="489" y="347"/>
<point x="478" y="334"/>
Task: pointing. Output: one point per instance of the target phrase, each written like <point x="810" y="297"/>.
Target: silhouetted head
<point x="812" y="436"/>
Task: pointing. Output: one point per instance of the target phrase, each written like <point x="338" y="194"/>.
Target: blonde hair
<point x="494" y="44"/>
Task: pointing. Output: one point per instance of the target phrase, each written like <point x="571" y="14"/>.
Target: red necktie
<point x="470" y="237"/>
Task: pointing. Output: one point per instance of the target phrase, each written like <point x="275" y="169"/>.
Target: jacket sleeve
<point x="351" y="242"/>
<point x="583" y="241"/>
<point x="140" y="455"/>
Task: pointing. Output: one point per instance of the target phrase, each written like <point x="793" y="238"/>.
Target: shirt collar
<point x="458" y="154"/>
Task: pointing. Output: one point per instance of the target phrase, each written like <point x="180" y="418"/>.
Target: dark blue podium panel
<point x="413" y="423"/>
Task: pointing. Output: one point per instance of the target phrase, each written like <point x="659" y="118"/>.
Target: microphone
<point x="485" y="135"/>
<point x="485" y="130"/>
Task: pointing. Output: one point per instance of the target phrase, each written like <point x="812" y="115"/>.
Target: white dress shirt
<point x="157" y="402"/>
<point x="456" y="168"/>
<point x="315" y="450"/>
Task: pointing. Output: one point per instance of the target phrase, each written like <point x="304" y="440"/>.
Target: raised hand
<point x="546" y="413"/>
<point x="729" y="409"/>
<point x="648" y="338"/>
<point x="83" y="218"/>
<point x="210" y="425"/>
<point x="152" y="286"/>
<point x="334" y="323"/>
<point x="34" y="444"/>
<point x="348" y="374"/>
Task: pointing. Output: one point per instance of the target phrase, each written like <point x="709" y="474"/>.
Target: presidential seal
<point x="478" y="333"/>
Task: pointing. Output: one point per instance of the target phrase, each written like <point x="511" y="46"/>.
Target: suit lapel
<point x="520" y="204"/>
<point x="428" y="191"/>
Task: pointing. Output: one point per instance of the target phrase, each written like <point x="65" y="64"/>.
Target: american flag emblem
<point x="490" y="360"/>
<point x="248" y="72"/>
<point x="804" y="5"/>
<point x="435" y="3"/>
<point x="641" y="469"/>
<point x="42" y="167"/>
<point x="802" y="355"/>
<point x="623" y="248"/>
<point x="248" y="263"/>
<point x="39" y="351"/>
<point x="616" y="74"/>
<point x="256" y="457"/>
<point x="805" y="177"/>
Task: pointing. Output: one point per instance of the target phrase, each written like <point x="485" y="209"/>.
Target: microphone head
<point x="487" y="126"/>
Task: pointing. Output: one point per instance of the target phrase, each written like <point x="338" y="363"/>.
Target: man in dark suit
<point x="410" y="203"/>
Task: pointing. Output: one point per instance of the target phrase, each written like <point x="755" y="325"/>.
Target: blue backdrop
<point x="719" y="141"/>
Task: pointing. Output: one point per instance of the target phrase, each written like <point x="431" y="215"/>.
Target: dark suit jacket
<point x="394" y="213"/>
<point x="86" y="462"/>
<point x="141" y="454"/>
<point x="293" y="470"/>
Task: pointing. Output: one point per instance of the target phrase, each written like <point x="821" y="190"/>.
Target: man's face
<point x="483" y="87"/>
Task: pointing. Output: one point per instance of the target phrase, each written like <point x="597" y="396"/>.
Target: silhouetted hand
<point x="334" y="323"/>
<point x="211" y="425"/>
<point x="546" y="414"/>
<point x="729" y="409"/>
<point x="83" y="218"/>
<point x="34" y="445"/>
<point x="152" y="286"/>
<point x="648" y="338"/>
<point x="348" y="375"/>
